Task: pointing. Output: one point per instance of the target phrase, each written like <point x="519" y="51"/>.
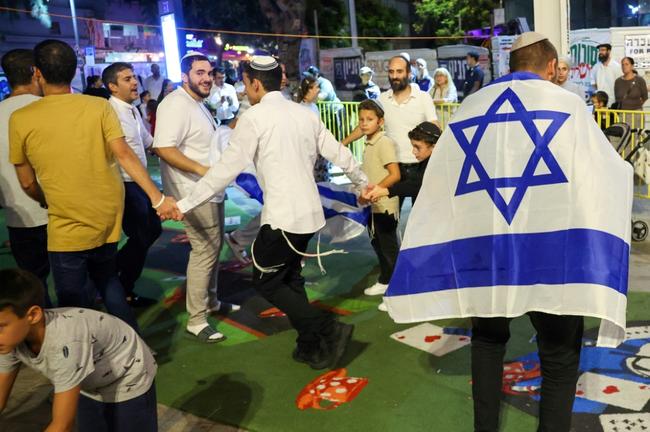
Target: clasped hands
<point x="372" y="193"/>
<point x="169" y="210"/>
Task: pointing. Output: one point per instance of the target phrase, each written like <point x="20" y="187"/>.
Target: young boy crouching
<point x="102" y="372"/>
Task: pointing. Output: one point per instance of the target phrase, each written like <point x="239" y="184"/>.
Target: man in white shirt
<point x="185" y="131"/>
<point x="282" y="139"/>
<point x="26" y="220"/>
<point x="140" y="222"/>
<point x="223" y="98"/>
<point x="153" y="83"/>
<point x="606" y="71"/>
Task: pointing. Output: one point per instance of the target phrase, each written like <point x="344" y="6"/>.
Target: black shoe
<point x="338" y="342"/>
<point x="316" y="359"/>
<point x="137" y="301"/>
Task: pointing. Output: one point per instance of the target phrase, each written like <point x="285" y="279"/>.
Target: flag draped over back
<point x="524" y="206"/>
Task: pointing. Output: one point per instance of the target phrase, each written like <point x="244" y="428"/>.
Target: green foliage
<point x="373" y="19"/>
<point x="440" y="17"/>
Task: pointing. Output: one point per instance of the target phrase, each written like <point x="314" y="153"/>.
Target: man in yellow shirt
<point x="65" y="148"/>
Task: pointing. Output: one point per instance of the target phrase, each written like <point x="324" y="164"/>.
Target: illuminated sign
<point x="192" y="42"/>
<point x="170" y="41"/>
<point x="239" y="48"/>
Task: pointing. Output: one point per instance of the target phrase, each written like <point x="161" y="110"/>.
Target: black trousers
<point x="142" y="226"/>
<point x="407" y="171"/>
<point x="383" y="238"/>
<point x="285" y="287"/>
<point x="558" y="340"/>
<point x="29" y="248"/>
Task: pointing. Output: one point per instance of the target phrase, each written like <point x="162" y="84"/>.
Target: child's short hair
<point x="20" y="290"/>
<point x="602" y="97"/>
<point x="372" y="105"/>
<point x="425" y="131"/>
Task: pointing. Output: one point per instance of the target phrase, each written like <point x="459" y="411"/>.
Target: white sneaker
<point x="382" y="307"/>
<point x="376" y="289"/>
<point x="238" y="250"/>
<point x="220" y="306"/>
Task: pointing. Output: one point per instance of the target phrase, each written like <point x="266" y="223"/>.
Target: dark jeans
<point x="71" y="271"/>
<point x="29" y="248"/>
<point x="383" y="238"/>
<point x="142" y="226"/>
<point x="407" y="172"/>
<point x="285" y="288"/>
<point x="135" y="415"/>
<point x="558" y="340"/>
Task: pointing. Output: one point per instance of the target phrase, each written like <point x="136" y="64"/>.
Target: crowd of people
<point x="81" y="180"/>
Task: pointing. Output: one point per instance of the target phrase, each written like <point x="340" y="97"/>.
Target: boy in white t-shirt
<point x="102" y="372"/>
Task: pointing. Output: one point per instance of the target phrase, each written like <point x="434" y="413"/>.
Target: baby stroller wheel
<point x="639" y="230"/>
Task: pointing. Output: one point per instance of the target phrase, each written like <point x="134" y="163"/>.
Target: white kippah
<point x="192" y="54"/>
<point x="406" y="56"/>
<point x="264" y="63"/>
<point x="526" y="39"/>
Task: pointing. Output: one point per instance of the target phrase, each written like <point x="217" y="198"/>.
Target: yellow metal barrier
<point x="341" y="118"/>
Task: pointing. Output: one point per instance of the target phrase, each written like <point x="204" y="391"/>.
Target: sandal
<point x="208" y="335"/>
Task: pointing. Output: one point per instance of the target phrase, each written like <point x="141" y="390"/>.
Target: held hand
<point x="169" y="210"/>
<point x="376" y="193"/>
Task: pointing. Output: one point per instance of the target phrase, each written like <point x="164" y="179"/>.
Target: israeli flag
<point x="525" y="206"/>
<point x="344" y="218"/>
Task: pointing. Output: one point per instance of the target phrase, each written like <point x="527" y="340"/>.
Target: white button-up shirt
<point x="154" y="86"/>
<point x="135" y="132"/>
<point x="225" y="110"/>
<point x="400" y="119"/>
<point x="186" y="124"/>
<point x="604" y="77"/>
<point x="282" y="139"/>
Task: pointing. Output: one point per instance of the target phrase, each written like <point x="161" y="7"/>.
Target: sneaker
<point x="223" y="307"/>
<point x="338" y="342"/>
<point x="376" y="289"/>
<point x="238" y="250"/>
<point x="382" y="306"/>
<point x="316" y="359"/>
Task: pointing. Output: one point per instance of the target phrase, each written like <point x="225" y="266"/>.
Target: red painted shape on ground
<point x="431" y="339"/>
<point x="177" y="296"/>
<point x="401" y="337"/>
<point x="334" y="309"/>
<point x="611" y="389"/>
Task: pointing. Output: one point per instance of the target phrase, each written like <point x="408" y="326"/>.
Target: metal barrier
<point x="341" y="118"/>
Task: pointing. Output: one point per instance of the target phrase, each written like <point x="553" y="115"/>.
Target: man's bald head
<point x="401" y="61"/>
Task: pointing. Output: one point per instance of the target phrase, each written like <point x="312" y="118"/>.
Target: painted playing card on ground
<point x="632" y="422"/>
<point x="613" y="391"/>
<point x="640" y="332"/>
<point x="432" y="339"/>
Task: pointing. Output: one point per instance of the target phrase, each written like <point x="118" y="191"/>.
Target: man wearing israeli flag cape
<point x="524" y="209"/>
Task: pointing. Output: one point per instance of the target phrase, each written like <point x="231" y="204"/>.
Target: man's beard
<point x="196" y="89"/>
<point x="399" y="84"/>
<point x="603" y="57"/>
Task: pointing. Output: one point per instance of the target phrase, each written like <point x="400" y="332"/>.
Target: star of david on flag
<point x="528" y="178"/>
<point x="552" y="237"/>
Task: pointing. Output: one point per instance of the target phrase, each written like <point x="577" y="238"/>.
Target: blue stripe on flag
<point x="342" y="196"/>
<point x="515" y="76"/>
<point x="552" y="258"/>
<point x="362" y="216"/>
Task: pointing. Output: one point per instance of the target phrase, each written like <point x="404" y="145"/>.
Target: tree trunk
<point x="287" y="17"/>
